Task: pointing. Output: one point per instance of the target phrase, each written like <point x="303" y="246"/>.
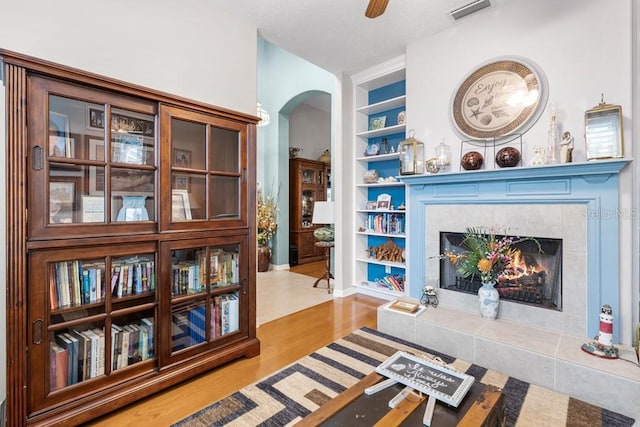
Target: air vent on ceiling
<point x="469" y="8"/>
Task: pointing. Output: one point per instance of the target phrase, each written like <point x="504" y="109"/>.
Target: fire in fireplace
<point x="536" y="277"/>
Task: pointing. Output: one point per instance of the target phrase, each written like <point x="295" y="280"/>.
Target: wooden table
<point x="482" y="407"/>
<point x="326" y="246"/>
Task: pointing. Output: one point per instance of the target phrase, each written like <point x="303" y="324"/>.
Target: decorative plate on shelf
<point x="502" y="97"/>
<point x="373" y="149"/>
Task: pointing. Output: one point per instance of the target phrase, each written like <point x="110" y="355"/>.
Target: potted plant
<point x="487" y="256"/>
<point x="267" y="226"/>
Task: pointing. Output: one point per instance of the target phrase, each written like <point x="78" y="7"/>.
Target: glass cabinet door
<point x="207" y="175"/>
<point x="308" y="198"/>
<point x="207" y="290"/>
<point x="88" y="182"/>
<point x="92" y="313"/>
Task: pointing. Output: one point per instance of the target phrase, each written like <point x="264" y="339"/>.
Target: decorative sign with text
<point x="433" y="379"/>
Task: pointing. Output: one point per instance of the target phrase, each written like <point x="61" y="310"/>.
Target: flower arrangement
<point x="489" y="254"/>
<point x="267" y="215"/>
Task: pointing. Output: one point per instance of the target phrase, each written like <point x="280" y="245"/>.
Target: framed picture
<point x="61" y="146"/>
<point x="371" y="205"/>
<point x="603" y="132"/>
<point x="123" y="180"/>
<point x="181" y="182"/>
<point x="95" y="117"/>
<point x="62" y="202"/>
<point x="181" y="158"/>
<point x="502" y="97"/>
<point x="92" y="209"/>
<point x="384" y="202"/>
<point x="377" y="122"/>
<point x="119" y="122"/>
<point x="128" y="148"/>
<point x="58" y="124"/>
<point x="180" y="207"/>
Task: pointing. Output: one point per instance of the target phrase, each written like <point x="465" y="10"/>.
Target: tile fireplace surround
<point x="577" y="203"/>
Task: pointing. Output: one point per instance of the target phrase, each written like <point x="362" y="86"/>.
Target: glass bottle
<point x="553" y="142"/>
<point x="443" y="156"/>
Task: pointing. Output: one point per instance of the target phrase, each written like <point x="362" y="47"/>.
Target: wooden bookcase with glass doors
<point x="139" y="241"/>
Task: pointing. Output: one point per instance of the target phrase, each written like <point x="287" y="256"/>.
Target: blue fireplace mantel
<point x="594" y="184"/>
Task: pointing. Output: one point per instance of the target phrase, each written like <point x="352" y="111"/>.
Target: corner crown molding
<point x="391" y="67"/>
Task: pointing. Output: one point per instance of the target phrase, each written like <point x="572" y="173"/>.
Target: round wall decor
<point x="502" y="97"/>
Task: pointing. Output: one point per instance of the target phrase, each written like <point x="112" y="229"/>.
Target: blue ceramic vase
<point x="489" y="301"/>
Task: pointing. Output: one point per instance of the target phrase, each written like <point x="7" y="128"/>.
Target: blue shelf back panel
<point x="376" y="271"/>
<point x="386" y="169"/>
<point x="396" y="193"/>
<point x="374" y="241"/>
<point x="384" y="93"/>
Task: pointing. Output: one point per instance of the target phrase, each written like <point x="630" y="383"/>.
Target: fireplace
<point x="534" y="276"/>
<point x="577" y="203"/>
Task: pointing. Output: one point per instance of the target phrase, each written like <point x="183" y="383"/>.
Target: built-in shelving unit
<point x="379" y="93"/>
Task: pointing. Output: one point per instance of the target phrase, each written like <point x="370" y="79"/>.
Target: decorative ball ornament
<point x="472" y="161"/>
<point x="508" y="157"/>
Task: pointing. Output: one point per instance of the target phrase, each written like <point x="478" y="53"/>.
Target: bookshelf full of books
<point x="379" y="98"/>
<point x="206" y="292"/>
<point x="131" y="255"/>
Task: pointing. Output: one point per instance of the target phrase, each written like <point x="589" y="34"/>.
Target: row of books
<point x="75" y="283"/>
<point x="78" y="355"/>
<point x="131" y="343"/>
<point x="132" y="276"/>
<point x="395" y="282"/>
<point x="75" y="356"/>
<point x="389" y="223"/>
<point x="226" y="316"/>
<point x="190" y="322"/>
<point x="189" y="277"/>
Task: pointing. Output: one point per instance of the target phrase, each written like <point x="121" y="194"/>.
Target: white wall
<point x="310" y="129"/>
<point x="583" y="46"/>
<point x="284" y="81"/>
<point x="191" y="49"/>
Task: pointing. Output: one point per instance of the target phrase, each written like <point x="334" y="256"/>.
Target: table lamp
<point x="323" y="214"/>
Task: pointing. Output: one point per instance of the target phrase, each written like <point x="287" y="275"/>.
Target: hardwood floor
<point x="314" y="269"/>
<point x="283" y="341"/>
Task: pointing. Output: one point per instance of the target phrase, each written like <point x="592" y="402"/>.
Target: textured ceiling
<point x="335" y="34"/>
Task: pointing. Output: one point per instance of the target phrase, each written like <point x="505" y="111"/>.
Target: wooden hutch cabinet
<point x="136" y="213"/>
<point x="307" y="184"/>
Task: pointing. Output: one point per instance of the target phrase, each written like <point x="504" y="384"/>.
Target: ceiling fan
<point x="376" y="8"/>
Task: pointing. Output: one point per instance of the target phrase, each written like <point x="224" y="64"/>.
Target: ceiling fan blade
<point x="376" y="8"/>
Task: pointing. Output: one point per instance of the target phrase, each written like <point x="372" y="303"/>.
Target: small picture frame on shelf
<point x="180" y="206"/>
<point x="384" y="202"/>
<point x="377" y="122"/>
<point x="128" y="148"/>
<point x="371" y="205"/>
<point x="92" y="209"/>
<point x="62" y="196"/>
<point x="181" y="158"/>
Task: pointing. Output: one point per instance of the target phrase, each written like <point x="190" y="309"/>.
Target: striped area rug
<point x="295" y="391"/>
